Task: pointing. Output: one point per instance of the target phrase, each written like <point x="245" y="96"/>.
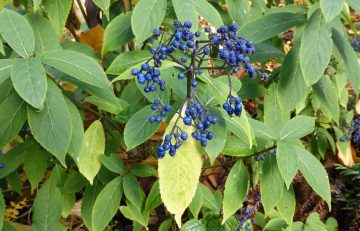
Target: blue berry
<point x="187" y="120"/>
<point x="167" y="107"/>
<point x="210" y="135"/>
<point x="2" y="165"/>
<point x="181" y="76"/>
<point x="134" y="71"/>
<point x="197" y="34"/>
<point x="156" y="32"/>
<point x="194" y="83"/>
<point x="151" y="119"/>
<point x="183" y="136"/>
<point x="226" y="106"/>
<point x="187" y="24"/>
<point x="158" y="119"/>
<point x="184" y="59"/>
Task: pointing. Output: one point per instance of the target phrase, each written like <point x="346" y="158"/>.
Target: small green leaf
<point x="35" y="165"/>
<point x="133" y="213"/>
<point x="113" y="162"/>
<point x="29" y="80"/>
<point x="153" y="200"/>
<point x="297" y="127"/>
<point x="47" y="207"/>
<point x="331" y="8"/>
<point x="270" y="25"/>
<point x="143" y="170"/>
<point x="193" y="225"/>
<point x="74" y="183"/>
<point x="106" y="204"/>
<point x="287" y="162"/>
<point x="147" y="15"/>
<point x="196" y="203"/>
<point x="314" y="173"/>
<point x="92" y="149"/>
<point x="139" y="129"/>
<point x="236" y="188"/>
<point x="104" y="5"/>
<point x="234" y="146"/>
<point x="271" y="184"/>
<point x="286" y="206"/>
<point x="55" y="119"/>
<point x="57" y="11"/>
<point x="275" y="224"/>
<point x="17" y="32"/>
<point x="133" y="191"/>
<point x="117" y="33"/>
<point x="239" y="10"/>
<point x="12" y="118"/>
<point x="186" y="11"/>
<point x="315" y="49"/>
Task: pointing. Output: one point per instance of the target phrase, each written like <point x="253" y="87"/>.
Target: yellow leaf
<point x="179" y="175"/>
<point x="93" y="37"/>
<point x="347" y="158"/>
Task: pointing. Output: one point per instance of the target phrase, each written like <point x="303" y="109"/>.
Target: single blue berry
<point x="187" y="24"/>
<point x="181" y="76"/>
<point x="226" y="106"/>
<point x="183" y="136"/>
<point x="151" y="119"/>
<point x="184" y="59"/>
<point x="134" y="71"/>
<point x="187" y="120"/>
<point x="158" y="119"/>
<point x="156" y="32"/>
<point x="167" y="107"/>
<point x="194" y="83"/>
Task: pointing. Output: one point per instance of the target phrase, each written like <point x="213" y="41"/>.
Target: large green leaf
<point x="347" y="54"/>
<point x="77" y="65"/>
<point x="52" y="126"/>
<point x="271" y="184"/>
<point x="270" y="25"/>
<point x="287" y="162"/>
<point x="35" y="165"/>
<point x="47" y="207"/>
<point x="236" y="188"/>
<point x="77" y="131"/>
<point x="325" y="96"/>
<point x="57" y="11"/>
<point x="133" y="191"/>
<point x="117" y="33"/>
<point x="297" y="127"/>
<point x="208" y="12"/>
<point x="12" y="118"/>
<point x="45" y="35"/>
<point x="179" y="175"/>
<point x="238" y="10"/>
<point x="29" y="80"/>
<point x="104" y="5"/>
<point x="5" y="68"/>
<point x="261" y="130"/>
<point x="292" y="87"/>
<point x="331" y="8"/>
<point x="17" y="32"/>
<point x="126" y="60"/>
<point x="114" y="163"/>
<point x="147" y="15"/>
<point x="186" y="11"/>
<point x="314" y="173"/>
<point x="286" y="205"/>
<point x="139" y="129"/>
<point x="92" y="149"/>
<point x="315" y="49"/>
<point x="106" y="204"/>
<point x="240" y="126"/>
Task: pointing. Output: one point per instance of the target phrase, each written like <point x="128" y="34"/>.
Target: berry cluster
<point x="1" y="165"/>
<point x="162" y="111"/>
<point x="353" y="133"/>
<point x="246" y="214"/>
<point x="355" y="44"/>
<point x="233" y="106"/>
<point x="195" y="56"/>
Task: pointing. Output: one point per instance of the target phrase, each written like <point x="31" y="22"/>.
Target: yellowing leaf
<point x="92" y="148"/>
<point x="179" y="175"/>
<point x="93" y="37"/>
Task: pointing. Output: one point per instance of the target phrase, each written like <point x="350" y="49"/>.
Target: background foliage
<point x="78" y="151"/>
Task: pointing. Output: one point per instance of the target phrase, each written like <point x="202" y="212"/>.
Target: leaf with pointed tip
<point x="57" y="11"/>
<point x="287" y="162"/>
<point x="331" y="8"/>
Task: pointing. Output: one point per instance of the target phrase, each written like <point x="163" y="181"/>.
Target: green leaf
<point x="287" y="162"/>
<point x="236" y="188"/>
<point x="315" y="49"/>
<point x="297" y="127"/>
<point x="179" y="175"/>
<point x="143" y="170"/>
<point x="88" y="200"/>
<point x="313" y="223"/>
<point x="239" y="10"/>
<point x="186" y="11"/>
<point x="92" y="149"/>
<point x="117" y="33"/>
<point x="240" y="126"/>
<point x="166" y="225"/>
<point x="216" y="145"/>
<point x="35" y="165"/>
<point x="29" y="80"/>
<point x="113" y="162"/>
<point x="113" y="107"/>
<point x="45" y="35"/>
<point x="147" y="15"/>
<point x="104" y="5"/>
<point x="261" y="130"/>
<point x="270" y="25"/>
<point x="47" y="207"/>
<point x="133" y="213"/>
<point x="77" y="65"/>
<point x="106" y="204"/>
<point x="5" y="68"/>
<point x="55" y="120"/>
<point x="12" y="118"/>
<point x="286" y="206"/>
<point x="74" y="183"/>
<point x="68" y="202"/>
<point x="331" y="8"/>
<point x="133" y="191"/>
<point x="57" y="11"/>
<point x="17" y="32"/>
<point x="193" y="225"/>
<point x="196" y="203"/>
<point x="292" y="87"/>
<point x="234" y="146"/>
<point x="153" y="200"/>
<point x="314" y="173"/>
<point x="265" y="52"/>
<point x="209" y="200"/>
<point x="77" y="136"/>
<point x="355" y="5"/>
<point x="348" y="56"/>
<point x="2" y="210"/>
<point x="139" y="129"/>
<point x="275" y="225"/>
<point x="271" y="184"/>
<point x="127" y="60"/>
<point x="208" y="12"/>
<point x="324" y="93"/>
